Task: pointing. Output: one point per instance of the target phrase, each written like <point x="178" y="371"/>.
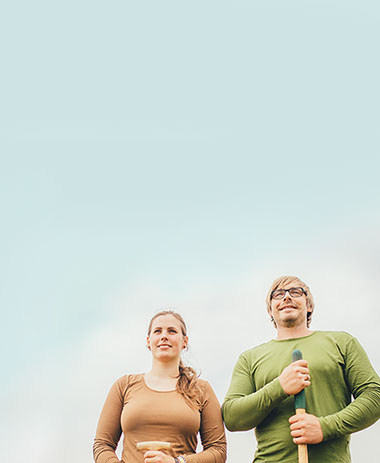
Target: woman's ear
<point x="148" y="342"/>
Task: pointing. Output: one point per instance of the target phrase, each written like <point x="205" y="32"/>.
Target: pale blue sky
<point x="180" y="147"/>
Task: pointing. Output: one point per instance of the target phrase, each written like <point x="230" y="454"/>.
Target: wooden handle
<point x="302" y="448"/>
<point x="302" y="453"/>
<point x="153" y="445"/>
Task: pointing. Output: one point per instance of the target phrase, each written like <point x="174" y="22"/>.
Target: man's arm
<point x="364" y="385"/>
<point x="244" y="407"/>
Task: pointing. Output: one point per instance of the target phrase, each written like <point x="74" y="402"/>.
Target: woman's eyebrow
<point x="168" y="328"/>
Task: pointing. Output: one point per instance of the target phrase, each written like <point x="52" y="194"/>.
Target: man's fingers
<point x="295" y="426"/>
<point x="305" y="429"/>
<point x="301" y="363"/>
<point x="304" y="371"/>
<point x="300" y="440"/>
<point x="298" y="433"/>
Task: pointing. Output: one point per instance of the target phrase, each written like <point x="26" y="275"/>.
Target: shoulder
<point x="337" y="336"/>
<point x="256" y="352"/>
<point x="204" y="391"/>
<point x="341" y="340"/>
<point x="249" y="359"/>
<point x="126" y="381"/>
<point x="203" y="386"/>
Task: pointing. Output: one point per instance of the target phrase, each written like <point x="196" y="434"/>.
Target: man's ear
<point x="309" y="310"/>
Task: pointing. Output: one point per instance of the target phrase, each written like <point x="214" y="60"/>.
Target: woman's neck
<point x="162" y="376"/>
<point x="167" y="369"/>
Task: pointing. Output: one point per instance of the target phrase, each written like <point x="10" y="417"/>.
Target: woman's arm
<point x="212" y="433"/>
<point x="109" y="429"/>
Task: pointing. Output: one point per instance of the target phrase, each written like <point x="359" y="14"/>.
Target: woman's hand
<point x="154" y="456"/>
<point x="295" y="377"/>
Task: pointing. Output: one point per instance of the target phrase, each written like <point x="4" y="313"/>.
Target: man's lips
<point x="164" y="345"/>
<point x="287" y="307"/>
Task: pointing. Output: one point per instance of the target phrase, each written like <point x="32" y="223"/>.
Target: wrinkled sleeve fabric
<point x="245" y="407"/>
<point x="211" y="430"/>
<point x="364" y="385"/>
<point x="109" y="429"/>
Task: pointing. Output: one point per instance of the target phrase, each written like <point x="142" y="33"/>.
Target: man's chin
<point x="290" y="322"/>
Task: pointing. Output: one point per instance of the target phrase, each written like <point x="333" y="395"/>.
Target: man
<point x="335" y="367"/>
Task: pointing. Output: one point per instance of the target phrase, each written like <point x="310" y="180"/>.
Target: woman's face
<point x="166" y="340"/>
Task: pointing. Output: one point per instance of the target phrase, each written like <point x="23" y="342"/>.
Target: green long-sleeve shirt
<point x="339" y="368"/>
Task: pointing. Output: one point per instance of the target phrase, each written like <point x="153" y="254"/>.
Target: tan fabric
<point x="142" y="414"/>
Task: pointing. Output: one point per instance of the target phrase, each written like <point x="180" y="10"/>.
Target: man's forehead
<point x="289" y="284"/>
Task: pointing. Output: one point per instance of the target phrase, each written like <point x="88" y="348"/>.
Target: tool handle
<point x="299" y="399"/>
<point x="302" y="453"/>
<point x="300" y="406"/>
<point x="153" y="445"/>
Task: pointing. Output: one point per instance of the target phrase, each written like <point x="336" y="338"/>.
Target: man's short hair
<point x="286" y="280"/>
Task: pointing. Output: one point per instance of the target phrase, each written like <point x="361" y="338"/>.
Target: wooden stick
<point x="300" y="406"/>
<point x="153" y="445"/>
<point x="302" y="448"/>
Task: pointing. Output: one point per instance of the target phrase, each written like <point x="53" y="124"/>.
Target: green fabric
<point x="338" y="368"/>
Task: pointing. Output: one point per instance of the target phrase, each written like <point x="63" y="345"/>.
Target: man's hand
<point x="305" y="429"/>
<point x="154" y="456"/>
<point x="295" y="377"/>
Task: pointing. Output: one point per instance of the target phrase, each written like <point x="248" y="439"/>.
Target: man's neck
<point x="285" y="332"/>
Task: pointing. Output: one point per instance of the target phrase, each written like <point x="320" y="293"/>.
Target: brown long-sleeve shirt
<point x="143" y="414"/>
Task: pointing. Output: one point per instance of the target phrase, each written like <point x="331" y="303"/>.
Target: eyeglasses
<point x="293" y="292"/>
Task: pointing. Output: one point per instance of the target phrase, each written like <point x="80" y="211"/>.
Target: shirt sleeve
<point x="245" y="407"/>
<point x="109" y="428"/>
<point x="364" y="385"/>
<point x="211" y="431"/>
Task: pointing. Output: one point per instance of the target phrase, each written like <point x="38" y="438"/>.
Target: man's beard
<point x="292" y="322"/>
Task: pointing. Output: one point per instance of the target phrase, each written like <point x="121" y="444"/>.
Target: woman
<point x="169" y="403"/>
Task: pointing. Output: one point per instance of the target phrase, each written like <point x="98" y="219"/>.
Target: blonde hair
<point x="187" y="378"/>
<point x="285" y="280"/>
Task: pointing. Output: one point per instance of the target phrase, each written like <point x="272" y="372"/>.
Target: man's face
<point x="289" y="311"/>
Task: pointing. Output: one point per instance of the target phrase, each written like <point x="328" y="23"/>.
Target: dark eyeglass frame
<point x="287" y="291"/>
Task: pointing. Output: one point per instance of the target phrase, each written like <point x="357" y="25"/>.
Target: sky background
<point x="177" y="154"/>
